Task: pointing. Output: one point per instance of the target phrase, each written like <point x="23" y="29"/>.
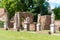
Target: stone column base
<point x="25" y="27"/>
<point x="38" y="27"/>
<point x="52" y="28"/>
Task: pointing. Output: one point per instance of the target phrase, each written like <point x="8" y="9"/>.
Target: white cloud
<point x="54" y="3"/>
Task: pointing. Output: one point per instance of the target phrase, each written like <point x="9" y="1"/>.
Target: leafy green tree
<point x="21" y="5"/>
<point x="57" y="13"/>
<point x="40" y="6"/>
<point x="34" y="6"/>
<point x="9" y="5"/>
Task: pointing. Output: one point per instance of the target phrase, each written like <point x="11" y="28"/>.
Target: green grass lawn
<point x="14" y="35"/>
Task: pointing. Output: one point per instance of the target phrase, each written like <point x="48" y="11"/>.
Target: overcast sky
<point x="54" y="3"/>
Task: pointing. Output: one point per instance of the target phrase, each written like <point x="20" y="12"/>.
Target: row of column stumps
<point x="26" y="22"/>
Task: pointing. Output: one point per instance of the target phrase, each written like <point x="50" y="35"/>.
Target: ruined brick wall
<point x="43" y="18"/>
<point x="24" y="15"/>
<point x="2" y="14"/>
<point x="45" y="22"/>
<point x="27" y="14"/>
<point x="33" y="26"/>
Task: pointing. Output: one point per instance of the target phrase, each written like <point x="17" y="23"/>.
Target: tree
<point x="33" y="6"/>
<point x="40" y="6"/>
<point x="9" y="5"/>
<point x="57" y="13"/>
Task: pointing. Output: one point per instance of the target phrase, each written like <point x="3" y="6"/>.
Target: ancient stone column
<point x="52" y="25"/>
<point x="26" y="24"/>
<point x="38" y="26"/>
<point x="17" y="21"/>
<point x="6" y="27"/>
<point x="18" y="27"/>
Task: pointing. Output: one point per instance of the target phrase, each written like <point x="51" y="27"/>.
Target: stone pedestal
<point x="14" y="26"/>
<point x="38" y="27"/>
<point x="26" y="24"/>
<point x="52" y="28"/>
<point x="6" y="26"/>
<point x="25" y="27"/>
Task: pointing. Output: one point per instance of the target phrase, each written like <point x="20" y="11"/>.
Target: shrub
<point x="1" y="24"/>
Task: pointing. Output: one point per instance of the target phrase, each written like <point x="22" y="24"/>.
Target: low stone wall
<point x="57" y="24"/>
<point x="33" y="27"/>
